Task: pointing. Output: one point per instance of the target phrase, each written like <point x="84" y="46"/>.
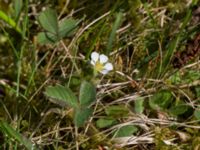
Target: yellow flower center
<point x="99" y="66"/>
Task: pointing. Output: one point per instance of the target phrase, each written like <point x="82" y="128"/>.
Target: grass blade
<point x="12" y="133"/>
<point x="116" y="25"/>
<point x="9" y="21"/>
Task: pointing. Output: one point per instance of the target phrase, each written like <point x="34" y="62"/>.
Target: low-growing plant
<point x="58" y="89"/>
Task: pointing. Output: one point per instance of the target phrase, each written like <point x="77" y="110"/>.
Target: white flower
<point x="100" y="63"/>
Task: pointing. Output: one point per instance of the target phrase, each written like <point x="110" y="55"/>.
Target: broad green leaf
<point x="138" y="107"/>
<point x="82" y="115"/>
<point x="67" y="27"/>
<point x="117" y="110"/>
<point x="197" y="113"/>
<point x="45" y="38"/>
<point x="160" y="100"/>
<point x="62" y="95"/>
<point x="87" y="93"/>
<point x="126" y="131"/>
<point x="105" y="122"/>
<point x="48" y="20"/>
<point x="179" y="109"/>
<point x="13" y="134"/>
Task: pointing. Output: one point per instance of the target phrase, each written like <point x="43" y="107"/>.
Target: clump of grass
<point x="52" y="97"/>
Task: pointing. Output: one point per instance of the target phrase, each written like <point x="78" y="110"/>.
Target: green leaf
<point x="45" y="38"/>
<point x="173" y="44"/>
<point x="67" y="27"/>
<point x="117" y="110"/>
<point x="138" y="107"/>
<point x="62" y="95"/>
<point x="179" y="109"/>
<point x="82" y="115"/>
<point x="17" y="7"/>
<point x="116" y="25"/>
<point x="9" y="21"/>
<point x="161" y="100"/>
<point x="87" y="93"/>
<point x="48" y="20"/>
<point x="126" y="131"/>
<point x="105" y="122"/>
<point x="197" y="113"/>
<point x="12" y="133"/>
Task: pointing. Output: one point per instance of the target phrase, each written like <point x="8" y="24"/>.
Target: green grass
<point x="47" y="90"/>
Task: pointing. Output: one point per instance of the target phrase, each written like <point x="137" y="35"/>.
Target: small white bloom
<point x="100" y="63"/>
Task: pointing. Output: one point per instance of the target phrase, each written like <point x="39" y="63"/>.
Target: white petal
<point x="92" y="62"/>
<point x="104" y="71"/>
<point x="95" y="56"/>
<point x="108" y="66"/>
<point x="103" y="58"/>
